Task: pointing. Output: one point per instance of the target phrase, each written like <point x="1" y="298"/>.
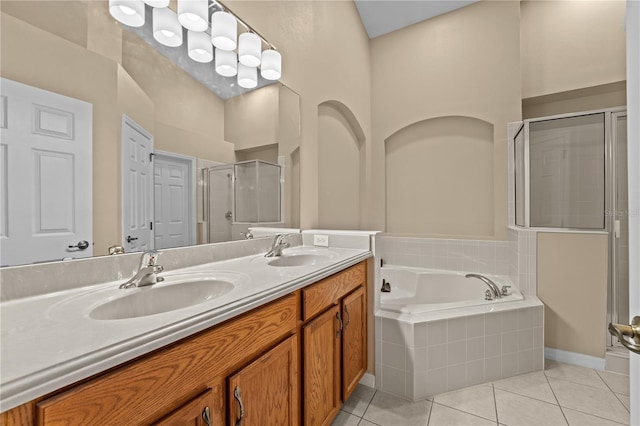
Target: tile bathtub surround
<point x="481" y="256"/>
<point x="562" y="394"/>
<point x="523" y="259"/>
<point x="515" y="257"/>
<point x="18" y="281"/>
<point x="418" y="360"/>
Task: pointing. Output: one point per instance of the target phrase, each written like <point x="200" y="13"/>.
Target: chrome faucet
<point x="147" y="272"/>
<point x="279" y="244"/>
<point x="497" y="294"/>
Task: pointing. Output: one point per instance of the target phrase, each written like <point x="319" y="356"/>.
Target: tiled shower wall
<point x="515" y="257"/>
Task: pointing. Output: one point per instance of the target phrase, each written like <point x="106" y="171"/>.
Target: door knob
<point x="82" y="245"/>
<point x="130" y="238"/>
<point x="632" y="331"/>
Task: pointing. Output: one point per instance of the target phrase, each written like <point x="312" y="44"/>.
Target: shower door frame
<point x="610" y="187"/>
<point x="612" y="286"/>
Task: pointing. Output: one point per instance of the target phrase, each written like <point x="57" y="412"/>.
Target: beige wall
<point x="587" y="99"/>
<point x="464" y="63"/>
<point x="572" y="283"/>
<point x="438" y="170"/>
<point x="96" y="61"/>
<point x="251" y="120"/>
<point x="568" y="45"/>
<point x="341" y="154"/>
<point x="325" y="57"/>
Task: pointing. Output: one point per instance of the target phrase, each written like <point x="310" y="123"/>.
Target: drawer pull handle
<point x="346" y="311"/>
<point x="206" y="416"/>
<point x="236" y="394"/>
<point x="339" y="318"/>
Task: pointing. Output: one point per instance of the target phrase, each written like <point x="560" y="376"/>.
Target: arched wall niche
<point x="341" y="160"/>
<point x="439" y="178"/>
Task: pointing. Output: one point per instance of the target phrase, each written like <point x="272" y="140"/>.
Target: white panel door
<point x="46" y="175"/>
<point x="137" y="187"/>
<point x="174" y="215"/>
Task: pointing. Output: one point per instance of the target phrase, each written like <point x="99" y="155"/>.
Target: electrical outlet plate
<point x="321" y="240"/>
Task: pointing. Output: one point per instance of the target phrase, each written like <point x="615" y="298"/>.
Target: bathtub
<point x="415" y="290"/>
<point x="435" y="332"/>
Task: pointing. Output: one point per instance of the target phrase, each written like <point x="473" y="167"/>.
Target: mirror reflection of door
<point x="174" y="200"/>
<point x="45" y="176"/>
<point x="137" y="187"/>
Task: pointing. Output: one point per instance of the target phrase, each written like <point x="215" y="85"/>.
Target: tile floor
<point x="563" y="394"/>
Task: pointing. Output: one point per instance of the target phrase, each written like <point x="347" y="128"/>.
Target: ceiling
<point x="384" y="16"/>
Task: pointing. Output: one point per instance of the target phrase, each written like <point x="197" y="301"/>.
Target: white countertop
<point x="49" y="341"/>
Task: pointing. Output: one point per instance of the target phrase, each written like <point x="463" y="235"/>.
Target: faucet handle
<point x="149" y="258"/>
<point x="505" y="290"/>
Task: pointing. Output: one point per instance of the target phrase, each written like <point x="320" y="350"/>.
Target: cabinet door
<point x="322" y="368"/>
<point x="266" y="391"/>
<point x="354" y="340"/>
<point x="196" y="412"/>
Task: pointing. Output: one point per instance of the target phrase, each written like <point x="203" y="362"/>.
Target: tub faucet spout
<point x="494" y="288"/>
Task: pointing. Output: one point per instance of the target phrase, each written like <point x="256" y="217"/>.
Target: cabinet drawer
<point x="327" y="292"/>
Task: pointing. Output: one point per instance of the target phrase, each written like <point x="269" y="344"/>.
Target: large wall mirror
<point x="221" y="165"/>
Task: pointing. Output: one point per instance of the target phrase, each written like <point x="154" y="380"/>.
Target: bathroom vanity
<point x="291" y="358"/>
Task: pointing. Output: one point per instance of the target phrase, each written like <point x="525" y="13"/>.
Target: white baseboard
<point x="368" y="380"/>
<point x="574" y="358"/>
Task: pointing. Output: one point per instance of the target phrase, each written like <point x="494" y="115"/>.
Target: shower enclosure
<point x="570" y="173"/>
<point x="239" y="195"/>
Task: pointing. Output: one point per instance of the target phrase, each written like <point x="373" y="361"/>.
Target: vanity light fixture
<point x="226" y="63"/>
<point x="166" y="28"/>
<point x="199" y="46"/>
<point x="157" y="3"/>
<point x="201" y="38"/>
<point x="247" y="76"/>
<point x="128" y="12"/>
<point x="271" y="68"/>
<point x="224" y="30"/>
<point x="249" y="49"/>
<point x="194" y="14"/>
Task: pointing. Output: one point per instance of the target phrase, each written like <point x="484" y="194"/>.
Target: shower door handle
<point x="632" y="331"/>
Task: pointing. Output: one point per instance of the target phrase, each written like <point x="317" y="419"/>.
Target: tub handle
<point x="488" y="295"/>
<point x="505" y="290"/>
<point x="339" y="318"/>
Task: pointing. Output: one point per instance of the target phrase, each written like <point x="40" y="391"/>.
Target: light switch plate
<point x="321" y="240"/>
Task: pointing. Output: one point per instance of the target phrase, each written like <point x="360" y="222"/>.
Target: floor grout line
<point x="574" y="382"/>
<point x="461" y="411"/>
<point x="557" y="400"/>
<point x="495" y="402"/>
<point x="618" y="397"/>
<point x="430" y="409"/>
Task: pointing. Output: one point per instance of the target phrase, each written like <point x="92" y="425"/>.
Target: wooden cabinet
<point x="148" y="389"/>
<point x="254" y="358"/>
<point x="196" y="412"/>
<point x="334" y="343"/>
<point x="354" y="340"/>
<point x="321" y="354"/>
<point x="266" y="391"/>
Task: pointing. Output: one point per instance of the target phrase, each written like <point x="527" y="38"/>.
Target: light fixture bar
<point x="222" y="6"/>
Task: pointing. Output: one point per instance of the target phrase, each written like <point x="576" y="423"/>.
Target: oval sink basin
<point x="156" y="300"/>
<point x="298" y="260"/>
